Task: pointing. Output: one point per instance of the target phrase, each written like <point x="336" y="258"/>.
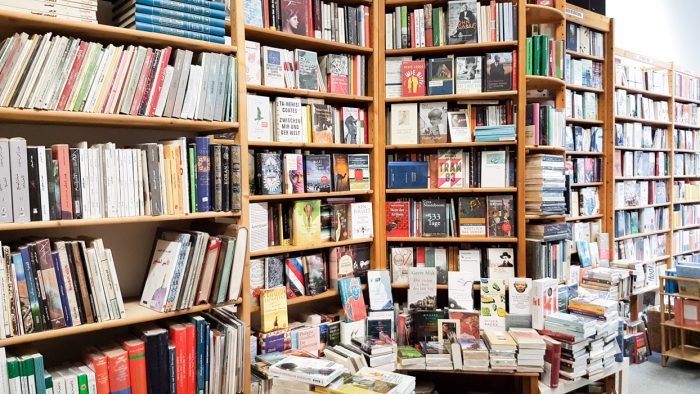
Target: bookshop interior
<point x="349" y="196"/>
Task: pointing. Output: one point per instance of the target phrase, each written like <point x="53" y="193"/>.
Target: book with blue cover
<point x="352" y="299"/>
<point x="441" y="76"/>
<point x="408" y="174"/>
<point x="208" y="8"/>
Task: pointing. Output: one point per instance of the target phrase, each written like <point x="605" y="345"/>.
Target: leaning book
<point x="307" y="370"/>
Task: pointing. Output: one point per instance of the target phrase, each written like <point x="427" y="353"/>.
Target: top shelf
<point x="13" y="22"/>
<point x="537" y="14"/>
<point x="293" y="41"/>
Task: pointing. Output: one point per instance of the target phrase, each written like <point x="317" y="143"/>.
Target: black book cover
<point x="352" y="25"/>
<point x="39" y="285"/>
<point x="172" y="355"/>
<point x="55" y="189"/>
<point x="163" y="369"/>
<point x="225" y="178"/>
<point x="215" y="193"/>
<point x="76" y="284"/>
<point x="499" y="71"/>
<point x="51" y="185"/>
<point x="500" y="216"/>
<point x="235" y="171"/>
<point x="571" y="36"/>
<point x="76" y="187"/>
<point x="81" y="265"/>
<point x="269" y="173"/>
<point x="434" y="218"/>
<point x="151" y="340"/>
<point x="425" y="325"/>
<point x="34" y="189"/>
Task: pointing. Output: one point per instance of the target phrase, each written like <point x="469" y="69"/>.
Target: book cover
<point x="422" y="287"/>
<point x="293" y="171"/>
<point x="468" y="323"/>
<point x="349" y="330"/>
<point x="274" y="272"/>
<point x="379" y="289"/>
<point x="319" y="372"/>
<point x="352" y="126"/>
<point x="318" y="173"/>
<point x="470" y="261"/>
<point x="339" y="222"/>
<point x="340" y="264"/>
<point x="500" y="216"/>
<point x="273" y="309"/>
<point x="307" y="70"/>
<point x="337" y="68"/>
<point x="493" y="169"/>
<point x="408" y="174"/>
<point x="499" y="72"/>
<point x="434" y="221"/>
<point x="259" y="125"/>
<point x="449" y="331"/>
<point x="397" y="218"/>
<point x="413" y="78"/>
<point x="253" y="65"/>
<point x="136" y="349"/>
<point x="294" y="17"/>
<point x="360" y="261"/>
<point x="352" y="299"/>
<point x="358" y="169"/>
<point x="544" y="300"/>
<point x="459" y="290"/>
<point x="361" y="221"/>
<point x="315" y="274"/>
<point x="519" y="301"/>
<point x="289" y="120"/>
<point x="472" y="216"/>
<point x="493" y="304"/>
<point x="163" y="263"/>
<point x="269" y="173"/>
<point x="401" y="262"/>
<point x="341" y="172"/>
<point x="441" y="76"/>
<point x="501" y="263"/>
<point x="424" y="325"/>
<point x="458" y="125"/>
<point x="273" y="67"/>
<point x="322" y="123"/>
<point x="403" y="124"/>
<point x="306" y="222"/>
<point x="309" y="340"/>
<point x="468" y="74"/>
<point x="433" y="122"/>
<point x="462" y="24"/>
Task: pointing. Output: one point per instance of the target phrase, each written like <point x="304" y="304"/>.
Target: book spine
<point x="148" y="27"/>
<point x="76" y="191"/>
<point x="203" y="164"/>
<point x="25" y="298"/>
<point x="137" y="367"/>
<point x="19" y="180"/>
<point x="178" y="340"/>
<point x="32" y="281"/>
<point x="202" y="7"/>
<point x="185" y="16"/>
<point x="5" y="179"/>
<point x="60" y="153"/>
<point x="185" y="25"/>
<point x="62" y="288"/>
<point x="34" y="189"/>
<point x="199" y="350"/>
<point x="149" y="83"/>
<point x="50" y="281"/>
<point x="160" y="77"/>
<point x="225" y="178"/>
<point x="172" y="370"/>
<point x="236" y="179"/>
<point x="215" y="168"/>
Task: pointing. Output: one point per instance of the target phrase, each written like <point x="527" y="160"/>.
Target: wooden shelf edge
<point x="308" y="93"/>
<point x="449" y="145"/>
<point x="320" y="245"/>
<point x="306" y="145"/>
<point x="453" y="239"/>
<point x="537" y="14"/>
<point x="644" y="92"/>
<point x="481" y="46"/>
<point x="505" y="94"/>
<point x="672" y="324"/>
<point x="580" y="55"/>
<point x="291" y="40"/>
<point x="639" y="235"/>
<point x="454" y="191"/>
<point x="305" y="196"/>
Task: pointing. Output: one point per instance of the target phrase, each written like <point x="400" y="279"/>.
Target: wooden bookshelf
<point x="453" y="239"/>
<point x="448" y="145"/>
<point x="454" y="191"/>
<point x="329" y="97"/>
<point x="292" y="41"/>
<point x="454" y="97"/>
<point x="308" y="145"/>
<point x="455" y="49"/>
<point x="297" y="196"/>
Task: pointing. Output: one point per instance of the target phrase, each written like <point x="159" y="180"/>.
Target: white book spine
<point x="43" y="183"/>
<point x="16" y="68"/>
<point x="144" y="184"/>
<point x="163" y="190"/>
<point x="107" y="281"/>
<point x="20" y="178"/>
<point x="185" y="175"/>
<point x="5" y="182"/>
<point x="98" y="79"/>
<point x="84" y="176"/>
<point x="167" y="81"/>
<point x="115" y="283"/>
<point x="4" y="317"/>
<point x="63" y="73"/>
<point x="118" y="83"/>
<point x="34" y="70"/>
<point x="138" y="187"/>
<point x="44" y="85"/>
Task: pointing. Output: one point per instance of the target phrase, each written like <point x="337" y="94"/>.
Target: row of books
<point x="461" y="22"/>
<point x="636" y="135"/>
<point x="103" y="181"/>
<point x="686" y="164"/>
<point x="582" y="139"/>
<point x="299" y="120"/>
<point x="85" y="11"/>
<point x="686" y="86"/>
<point x="689" y="257"/>
<point x="685" y="113"/>
<point x="545" y="56"/>
<point x="640" y="163"/>
<point x="306" y="70"/>
<point x="583" y="72"/>
<point x="685" y="215"/>
<point x="309" y="222"/>
<point x="636" y="193"/>
<point x="435" y="122"/>
<point x="581" y="105"/>
<point x="193" y="268"/>
<point x="641" y="221"/>
<point x="641" y="248"/>
<point x="584" y="201"/>
<point x="326" y="20"/>
<point x="584" y="40"/>
<point x="686" y="241"/>
<point x="547" y="259"/>
<point x="585" y="169"/>
<point x="73" y="284"/>
<point x="638" y="106"/>
<point x="200" y="353"/>
<point x="686" y="191"/>
<point x="629" y="73"/>
<point x="200" y="20"/>
<point x="474" y="263"/>
<point x="493" y="216"/>
<point x="294" y="173"/>
<point x="544" y="125"/>
<point x="686" y="139"/>
<point x="546" y="184"/>
<point x="131" y="80"/>
<point x="451" y="169"/>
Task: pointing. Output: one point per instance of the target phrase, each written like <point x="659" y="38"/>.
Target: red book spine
<point x="111" y="84"/>
<point x="208" y="270"/>
<point x="428" y="20"/>
<point x="137" y="365"/>
<point x="60" y="153"/>
<point x="515" y="70"/>
<point x="68" y="89"/>
<point x="178" y="339"/>
<point x="310" y="13"/>
<point x="191" y="355"/>
<point x="363" y="120"/>
<point x="553" y="357"/>
<point x="420" y="255"/>
<point x="412" y="28"/>
<point x="492" y="22"/>
<point x="368" y="38"/>
<point x="98" y="363"/>
<point x="266" y="13"/>
<point x="142" y="82"/>
<point x="159" y="80"/>
<point x="118" y="365"/>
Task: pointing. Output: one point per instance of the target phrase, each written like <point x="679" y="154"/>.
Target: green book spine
<point x="544" y="52"/>
<point x="528" y="63"/>
<point x="436" y="27"/>
<point x="83" y="383"/>
<point x="87" y="82"/>
<point x="28" y="373"/>
<point x="39" y="378"/>
<point x="536" y="55"/>
<point x="193" y="178"/>
<point x="13" y="373"/>
<point x="48" y="382"/>
<point x="560" y="59"/>
<point x="404" y="28"/>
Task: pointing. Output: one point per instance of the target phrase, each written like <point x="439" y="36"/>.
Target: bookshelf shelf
<point x="679" y="295"/>
<point x="686" y="201"/>
<point x="453" y="239"/>
<point x="299" y="196"/>
<point x="579" y="55"/>
<point x="586" y="184"/>
<point x="584" y="88"/>
<point x="114" y="221"/>
<point x="463" y="372"/>
<point x="454" y="191"/>
<point x="685" y="100"/>
<point x="412" y="3"/>
<point x="450" y="145"/>
<point x="295" y="248"/>
<point x="545" y="149"/>
<point x="685" y="126"/>
<point x="537" y="14"/>
<point x="575" y="153"/>
<point x="645" y="290"/>
<point x="660" y="258"/>
<point x="642" y="149"/>
<point x="307" y="145"/>
<point x="538" y="82"/>
<point x="585" y="217"/>
<point x="644" y="92"/>
<point x="672" y="324"/>
<point x="135" y="314"/>
<point x="544" y="217"/>
<point x="15" y="22"/>
<point x="507" y="94"/>
<point x="15" y="115"/>
<point x="690" y="251"/>
<point x="330" y="293"/>
<point x="330" y="97"/>
<point x="641" y="178"/>
<point x="644" y="234"/>
<point x="647" y="122"/>
<point x="585" y="122"/>
<point x="662" y="204"/>
<point x="684" y="352"/>
<point x="682" y="279"/>
<point x="684" y="151"/>
<point x="454" y="49"/>
<point x="294" y="41"/>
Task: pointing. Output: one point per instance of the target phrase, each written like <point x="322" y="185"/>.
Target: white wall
<point x="663" y="29"/>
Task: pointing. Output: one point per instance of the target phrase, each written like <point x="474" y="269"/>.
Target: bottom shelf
<point x="135" y="314"/>
<point x="567" y="387"/>
<point x="684" y="352"/>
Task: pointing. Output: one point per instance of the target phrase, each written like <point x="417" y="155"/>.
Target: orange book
<point x="136" y="349"/>
<point x="178" y="338"/>
<point x="97" y="362"/>
<point x="118" y="369"/>
<point x="191" y="356"/>
<point x="60" y="153"/>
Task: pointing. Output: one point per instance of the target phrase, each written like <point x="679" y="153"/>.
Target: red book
<point x="266" y="13"/>
<point x="363" y="121"/>
<point x="60" y="153"/>
<point x="397" y="217"/>
<point x="515" y="70"/>
<point x="159" y="80"/>
<point x="137" y="365"/>
<point x="208" y="270"/>
<point x="97" y="362"/>
<point x="413" y="78"/>
<point x="142" y="82"/>
<point x="149" y="85"/>
<point x="178" y="338"/>
<point x="356" y="80"/>
<point x="412" y="28"/>
<point x="118" y="366"/>
<point x="310" y="25"/>
<point x="191" y="357"/>
<point x="492" y="21"/>
<point x="420" y="256"/>
<point x="552" y="359"/>
<point x="433" y="167"/>
<point x="68" y="89"/>
<point x="368" y="36"/>
<point x="557" y="335"/>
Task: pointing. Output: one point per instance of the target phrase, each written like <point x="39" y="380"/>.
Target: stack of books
<point x="531" y="349"/>
<point x="602" y="350"/>
<point x="574" y="359"/>
<point x="502" y="350"/>
<point x="475" y="355"/>
<point x="378" y="353"/>
<point x="494" y="133"/>
<point x="80" y="11"/>
<point x="203" y="20"/>
<point x="579" y="327"/>
<point x="410" y="358"/>
<point x="437" y="356"/>
<point x="546" y="184"/>
<point x="615" y="283"/>
<point x="307" y="370"/>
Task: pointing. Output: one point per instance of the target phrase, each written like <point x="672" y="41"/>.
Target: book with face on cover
<point x="352" y="299"/>
<point x="273" y="309"/>
<point x="433" y="122"/>
<point x="295" y="17"/>
<point x="501" y="263"/>
<point x="404" y="124"/>
<point x="519" y="298"/>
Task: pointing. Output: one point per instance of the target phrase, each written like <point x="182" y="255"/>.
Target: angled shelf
<point x="539" y="14"/>
<point x="455" y="49"/>
<point x="453" y="239"/>
<point x="579" y="55"/>
<point x="538" y="82"/>
<point x="454" y="191"/>
<point x="330" y="97"/>
<point x="300" y="196"/>
<point x="307" y="145"/>
<point x="507" y="94"/>
<point x="293" y="41"/>
<point x="644" y="92"/>
<point x="294" y="248"/>
<point x="450" y="145"/>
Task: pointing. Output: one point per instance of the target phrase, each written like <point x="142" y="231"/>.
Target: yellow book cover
<point x="109" y="75"/>
<point x="306" y="222"/>
<point x="273" y="309"/>
<point x="168" y="158"/>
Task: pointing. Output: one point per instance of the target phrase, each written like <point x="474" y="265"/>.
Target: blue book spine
<point x="199" y="7"/>
<point x="185" y="16"/>
<point x="199" y="325"/>
<point x="408" y="175"/>
<point x="179" y="24"/>
<point x="184" y="240"/>
<point x="207" y="349"/>
<point x="203" y="167"/>
<point x="140" y="26"/>
<point x="62" y="288"/>
<point x="39" y="379"/>
<point x="31" y="288"/>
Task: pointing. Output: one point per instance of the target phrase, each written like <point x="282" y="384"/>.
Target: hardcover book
<point x="274" y="272"/>
<point x="353" y="125"/>
<point x="380" y="327"/>
<point x="339" y="222"/>
<point x="259" y="125"/>
<point x="318" y="173"/>
<point x="273" y="67"/>
<point x="500" y="219"/>
<point x="425" y="325"/>
<point x="379" y="289"/>
<point x="499" y="72"/>
<point x="441" y="76"/>
<point x="493" y="304"/>
<point x="307" y="70"/>
<point x="293" y="172"/>
<point x="433" y="122"/>
<point x="501" y="263"/>
<point x="459" y="290"/>
<point x="472" y="216"/>
<point x="273" y="309"/>
<point x="458" y="125"/>
<point x="294" y="16"/>
<point x="434" y="218"/>
<point x="269" y="173"/>
<point x="462" y="24"/>
<point x="544" y="300"/>
<point x="468" y="74"/>
<point x="422" y="287"/>
<point x="519" y="300"/>
<point x="253" y="71"/>
<point x="470" y="261"/>
<point x="397" y="218"/>
<point x="315" y="271"/>
<point x="407" y="174"/>
<point x="306" y="222"/>
<point x="358" y="169"/>
<point x="341" y="172"/>
<point x="413" y="78"/>
<point x="352" y="299"/>
<point x="341" y="264"/>
<point x="322" y="123"/>
<point x="401" y="262"/>
<point x="449" y="331"/>
<point x="289" y="115"/>
<point x="361" y="222"/>
<point x="404" y="124"/>
<point x="493" y="168"/>
<point x="469" y="323"/>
